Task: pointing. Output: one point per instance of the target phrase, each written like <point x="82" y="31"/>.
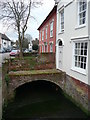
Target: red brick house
<point x="47" y="33"/>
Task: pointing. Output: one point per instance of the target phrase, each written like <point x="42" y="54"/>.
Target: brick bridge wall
<point x="17" y="80"/>
<point x="74" y="89"/>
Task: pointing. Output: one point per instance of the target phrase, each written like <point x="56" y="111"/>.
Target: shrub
<point x="7" y="79"/>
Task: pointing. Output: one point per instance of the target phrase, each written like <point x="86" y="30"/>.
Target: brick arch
<point x="46" y="80"/>
<point x="19" y="80"/>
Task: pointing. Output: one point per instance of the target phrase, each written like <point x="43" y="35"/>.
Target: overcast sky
<point x="39" y="14"/>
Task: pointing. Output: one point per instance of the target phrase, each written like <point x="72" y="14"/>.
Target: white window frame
<point x="51" y="29"/>
<point x="43" y="35"/>
<point x="61" y="20"/>
<point x="51" y="47"/>
<point x="42" y="48"/>
<point x="75" y="68"/>
<point x="81" y="13"/>
<point x="46" y="32"/>
<point x="40" y="35"/>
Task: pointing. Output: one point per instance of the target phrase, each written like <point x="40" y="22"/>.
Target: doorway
<point x="60" y="54"/>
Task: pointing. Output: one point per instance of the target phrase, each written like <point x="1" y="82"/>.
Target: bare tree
<point x="17" y="13"/>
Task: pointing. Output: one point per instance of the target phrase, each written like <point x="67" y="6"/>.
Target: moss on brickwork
<point x="76" y="103"/>
<point x="34" y="72"/>
<point x="80" y="91"/>
<point x="7" y="79"/>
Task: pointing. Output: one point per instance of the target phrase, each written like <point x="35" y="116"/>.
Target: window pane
<point x="80" y="54"/>
<point x="81" y="65"/>
<point x="76" y="64"/>
<point x="82" y="59"/>
<point x="83" y="20"/>
<point x="82" y="45"/>
<point x="85" y="52"/>
<point x="75" y="52"/>
<point x="62" y="20"/>
<point x="75" y="45"/>
<point x="85" y="45"/>
<point x="78" y="45"/>
<point x="84" y="65"/>
<point x="80" y="9"/>
<point x="81" y="15"/>
<point x="79" y="58"/>
<point x="75" y="58"/>
<point x="82" y="12"/>
<point x="51" y="29"/>
<point x="84" y="5"/>
<point x="85" y="59"/>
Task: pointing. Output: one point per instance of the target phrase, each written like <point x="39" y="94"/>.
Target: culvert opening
<point x="35" y="88"/>
<point x="41" y="99"/>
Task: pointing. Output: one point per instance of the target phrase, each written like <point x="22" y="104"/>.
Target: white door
<point x="60" y="56"/>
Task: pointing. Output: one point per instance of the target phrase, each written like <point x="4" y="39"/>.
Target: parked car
<point x="26" y="51"/>
<point x="14" y="53"/>
<point x="9" y="49"/>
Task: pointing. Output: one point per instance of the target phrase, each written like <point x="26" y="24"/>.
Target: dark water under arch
<point x="41" y="100"/>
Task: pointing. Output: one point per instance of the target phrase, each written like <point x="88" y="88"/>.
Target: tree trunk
<point x="20" y="46"/>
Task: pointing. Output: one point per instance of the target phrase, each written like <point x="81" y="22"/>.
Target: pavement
<point x="2" y="57"/>
<point x="0" y="93"/>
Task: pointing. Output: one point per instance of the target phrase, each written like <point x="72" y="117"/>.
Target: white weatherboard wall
<point x="89" y="43"/>
<point x="6" y="43"/>
<point x="71" y="33"/>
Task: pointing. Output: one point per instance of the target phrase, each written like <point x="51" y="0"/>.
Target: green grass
<point x="30" y="62"/>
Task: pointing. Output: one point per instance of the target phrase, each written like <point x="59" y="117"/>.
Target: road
<point x="2" y="57"/>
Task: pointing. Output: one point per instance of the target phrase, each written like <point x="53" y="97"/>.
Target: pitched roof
<point x="54" y="8"/>
<point x="3" y="36"/>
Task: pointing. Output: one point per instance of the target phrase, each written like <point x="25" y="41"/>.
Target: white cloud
<point x="39" y="14"/>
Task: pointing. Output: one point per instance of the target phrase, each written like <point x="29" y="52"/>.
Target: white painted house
<point x="5" y="42"/>
<point x="73" y="38"/>
<point x="30" y="45"/>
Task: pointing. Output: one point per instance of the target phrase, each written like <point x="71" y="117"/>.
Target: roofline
<point x="55" y="6"/>
<point x="6" y="38"/>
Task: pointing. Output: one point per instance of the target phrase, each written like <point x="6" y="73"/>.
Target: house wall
<point x="6" y="43"/>
<point x="89" y="43"/>
<point x="0" y="41"/>
<point x="51" y="17"/>
<point x="30" y="46"/>
<point x="71" y="31"/>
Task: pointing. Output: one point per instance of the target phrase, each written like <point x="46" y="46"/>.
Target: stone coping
<point x="35" y="72"/>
